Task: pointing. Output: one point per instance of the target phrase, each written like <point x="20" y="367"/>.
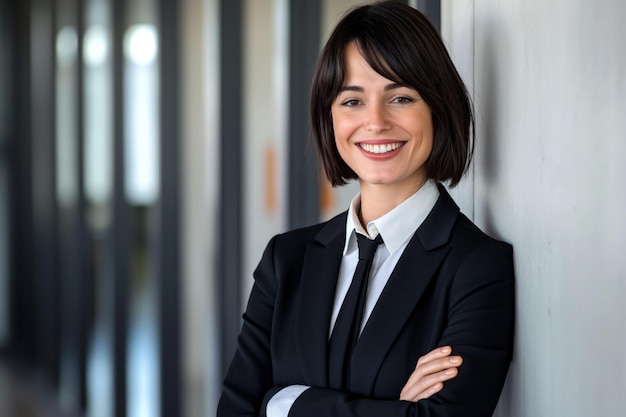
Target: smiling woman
<point x="408" y="53"/>
<point x="399" y="306"/>
<point x="383" y="132"/>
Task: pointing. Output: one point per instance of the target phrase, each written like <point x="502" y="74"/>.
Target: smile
<point x="380" y="149"/>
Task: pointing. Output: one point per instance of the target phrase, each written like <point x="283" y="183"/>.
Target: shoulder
<point x="293" y="243"/>
<point x="286" y="251"/>
<point x="466" y="236"/>
<point x="468" y="246"/>
<point x="318" y="232"/>
<point x="447" y="226"/>
<point x="477" y="259"/>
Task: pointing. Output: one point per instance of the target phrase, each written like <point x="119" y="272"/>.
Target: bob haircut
<point x="400" y="44"/>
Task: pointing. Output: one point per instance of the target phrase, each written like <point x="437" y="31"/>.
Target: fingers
<point x="434" y="354"/>
<point x="423" y="383"/>
<point x="431" y="371"/>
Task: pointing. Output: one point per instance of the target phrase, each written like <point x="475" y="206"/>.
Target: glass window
<point x="98" y="189"/>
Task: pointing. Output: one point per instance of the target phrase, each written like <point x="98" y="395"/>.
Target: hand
<point x="430" y="372"/>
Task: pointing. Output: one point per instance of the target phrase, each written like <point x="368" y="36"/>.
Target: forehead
<point x="357" y="69"/>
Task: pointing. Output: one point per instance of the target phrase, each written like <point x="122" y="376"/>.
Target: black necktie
<point x="348" y="324"/>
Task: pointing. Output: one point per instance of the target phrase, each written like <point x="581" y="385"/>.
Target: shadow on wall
<point x="491" y="79"/>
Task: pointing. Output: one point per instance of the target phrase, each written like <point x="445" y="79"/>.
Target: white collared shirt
<point x="396" y="227"/>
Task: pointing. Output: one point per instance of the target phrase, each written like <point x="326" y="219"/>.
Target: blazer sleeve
<point x="479" y="328"/>
<point x="249" y="377"/>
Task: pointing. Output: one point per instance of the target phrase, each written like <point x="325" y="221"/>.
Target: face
<point x="383" y="130"/>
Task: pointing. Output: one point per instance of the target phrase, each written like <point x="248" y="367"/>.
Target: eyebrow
<point x="356" y="88"/>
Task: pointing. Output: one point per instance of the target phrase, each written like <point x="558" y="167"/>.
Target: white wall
<point x="549" y="80"/>
<point x="200" y="193"/>
<point x="264" y="124"/>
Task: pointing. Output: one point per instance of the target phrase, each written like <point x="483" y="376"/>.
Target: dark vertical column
<point x="86" y="280"/>
<point x="303" y="179"/>
<point x="230" y="235"/>
<point x="121" y="225"/>
<point x="22" y="314"/>
<point x="44" y="214"/>
<point x="169" y="241"/>
<point x="74" y="282"/>
<point x="432" y="9"/>
<point x="6" y="129"/>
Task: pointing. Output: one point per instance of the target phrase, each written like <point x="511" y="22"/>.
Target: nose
<point x="377" y="119"/>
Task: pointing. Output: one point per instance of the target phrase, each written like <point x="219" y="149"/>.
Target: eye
<point x="350" y="102"/>
<point x="402" y="100"/>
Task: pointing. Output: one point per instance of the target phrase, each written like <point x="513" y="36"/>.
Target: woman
<point x="431" y="333"/>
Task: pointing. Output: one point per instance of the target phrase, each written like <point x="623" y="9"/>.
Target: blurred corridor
<point x="24" y="395"/>
<point x="149" y="149"/>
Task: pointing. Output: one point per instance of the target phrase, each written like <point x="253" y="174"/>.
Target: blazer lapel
<point x="415" y="269"/>
<point x="319" y="279"/>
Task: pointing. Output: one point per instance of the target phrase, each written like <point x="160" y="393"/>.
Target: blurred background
<point x="149" y="149"/>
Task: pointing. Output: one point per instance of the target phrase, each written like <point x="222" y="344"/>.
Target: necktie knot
<point x="367" y="246"/>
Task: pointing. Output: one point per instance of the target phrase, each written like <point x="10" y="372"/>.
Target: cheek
<point x="424" y="130"/>
<point x="339" y="132"/>
<point x="427" y="143"/>
<point x="342" y="146"/>
<point x="343" y="127"/>
<point x="336" y="123"/>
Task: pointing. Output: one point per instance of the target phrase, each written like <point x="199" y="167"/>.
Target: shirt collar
<point x="396" y="226"/>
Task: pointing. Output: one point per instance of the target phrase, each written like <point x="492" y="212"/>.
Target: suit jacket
<point x="453" y="285"/>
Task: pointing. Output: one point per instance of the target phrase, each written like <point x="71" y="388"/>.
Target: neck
<point x="378" y="200"/>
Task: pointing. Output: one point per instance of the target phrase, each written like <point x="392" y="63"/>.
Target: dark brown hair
<point x="400" y="44"/>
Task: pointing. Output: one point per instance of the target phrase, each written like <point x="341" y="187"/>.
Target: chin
<point x="377" y="181"/>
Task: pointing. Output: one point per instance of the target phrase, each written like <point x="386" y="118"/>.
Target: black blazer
<point x="453" y="285"/>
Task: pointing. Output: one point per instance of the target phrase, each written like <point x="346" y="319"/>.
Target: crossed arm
<point x="430" y="372"/>
<point x="476" y="337"/>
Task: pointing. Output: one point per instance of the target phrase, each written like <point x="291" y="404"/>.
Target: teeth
<point x="380" y="148"/>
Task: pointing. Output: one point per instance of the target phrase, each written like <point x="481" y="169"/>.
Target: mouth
<point x="380" y="149"/>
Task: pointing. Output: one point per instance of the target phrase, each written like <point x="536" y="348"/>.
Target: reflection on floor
<point x="26" y="395"/>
